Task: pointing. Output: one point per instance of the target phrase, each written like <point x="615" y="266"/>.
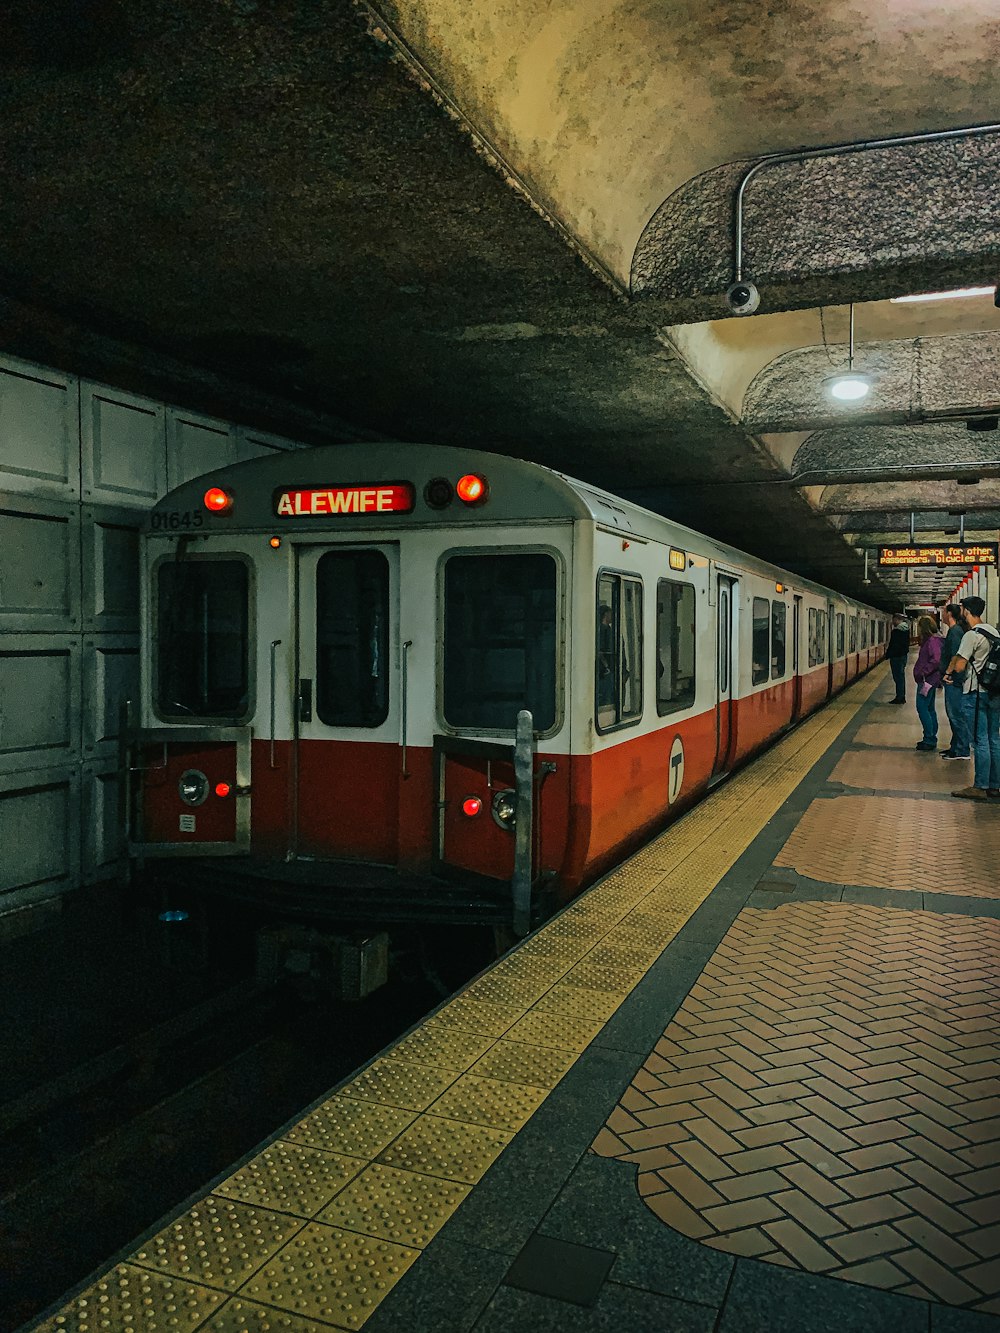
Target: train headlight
<point x="504" y="808"/>
<point x="193" y="787"/>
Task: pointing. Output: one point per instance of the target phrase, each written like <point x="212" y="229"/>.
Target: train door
<point x="725" y="666"/>
<point x="347" y="704"/>
<point x="796" y="658"/>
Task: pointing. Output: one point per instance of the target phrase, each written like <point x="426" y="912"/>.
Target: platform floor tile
<point x="899" y="843"/>
<point x="885" y="770"/>
<point x="885" y="735"/>
<point x="828" y="1098"/>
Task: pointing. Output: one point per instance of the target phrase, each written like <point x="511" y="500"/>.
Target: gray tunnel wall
<point x="79" y="464"/>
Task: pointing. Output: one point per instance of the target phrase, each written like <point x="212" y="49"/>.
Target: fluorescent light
<point x="944" y="296"/>
<point x="849" y="387"/>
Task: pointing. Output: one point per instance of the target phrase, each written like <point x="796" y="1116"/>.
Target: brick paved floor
<point x="828" y="1098"/>
<point x="888" y="770"/>
<point x="899" y="843"/>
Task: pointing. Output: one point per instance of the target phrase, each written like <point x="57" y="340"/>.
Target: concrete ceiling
<point x="510" y="225"/>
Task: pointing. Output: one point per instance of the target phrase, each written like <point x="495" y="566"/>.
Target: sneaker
<point x="972" y="794"/>
<point x="948" y="755"/>
<point x="897" y="701"/>
<point x="926" y="745"/>
<point x="993" y="794"/>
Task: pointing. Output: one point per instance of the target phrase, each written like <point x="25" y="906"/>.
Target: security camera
<point x="743" y="298"/>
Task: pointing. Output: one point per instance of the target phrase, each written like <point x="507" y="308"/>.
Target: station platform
<point x="749" y="1081"/>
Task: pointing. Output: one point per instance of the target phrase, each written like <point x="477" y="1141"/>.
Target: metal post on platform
<point x="524" y="786"/>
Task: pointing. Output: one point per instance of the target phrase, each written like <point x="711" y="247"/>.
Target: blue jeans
<point x="984" y="728"/>
<point x="897" y="665"/>
<point x="956" y="716"/>
<point x="927" y="712"/>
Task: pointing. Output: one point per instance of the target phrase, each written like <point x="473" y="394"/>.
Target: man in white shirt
<point x="982" y="710"/>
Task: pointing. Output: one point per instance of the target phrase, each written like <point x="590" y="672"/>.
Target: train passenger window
<point x="618" y="672"/>
<point x="840" y="634"/>
<point x="675" y="639"/>
<point x="778" y="620"/>
<point x="352" y="638"/>
<point x="817" y="636"/>
<point x="500" y="640"/>
<point x="202" y="625"/>
<point x="723" y="641"/>
<point x="761" y="645"/>
<point x="853" y="632"/>
<point x="864" y="632"/>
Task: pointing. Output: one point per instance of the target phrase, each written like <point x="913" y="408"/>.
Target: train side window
<point x="840" y="634"/>
<point x="853" y="632"/>
<point x="618" y="668"/>
<point x="500" y="640"/>
<point x="202" y="628"/>
<point x="761" y="640"/>
<point x="864" y="632"/>
<point x="352" y="638"/>
<point x="675" y="640"/>
<point x="779" y="614"/>
<point x="817" y="636"/>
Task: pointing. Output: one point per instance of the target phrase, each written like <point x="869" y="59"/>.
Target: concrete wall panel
<point x="39" y="701"/>
<point x="39" y="431"/>
<point x="110" y="675"/>
<point x="102" y="838"/>
<point x="39" y="565"/>
<point x="124" y="447"/>
<point x="258" y="444"/>
<point x="196" y="444"/>
<point x="39" y="833"/>
<point x="110" y="568"/>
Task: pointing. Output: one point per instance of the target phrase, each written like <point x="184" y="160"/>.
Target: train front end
<point x="354" y="684"/>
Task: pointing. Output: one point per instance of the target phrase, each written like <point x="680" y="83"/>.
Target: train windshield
<point x="500" y="640"/>
<point x="203" y="613"/>
<point x="352" y="638"/>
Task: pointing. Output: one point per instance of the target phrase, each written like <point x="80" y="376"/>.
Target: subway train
<point x="390" y="682"/>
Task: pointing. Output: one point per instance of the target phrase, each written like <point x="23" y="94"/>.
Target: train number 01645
<point x="176" y="520"/>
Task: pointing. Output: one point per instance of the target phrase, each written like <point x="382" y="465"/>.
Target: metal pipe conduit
<point x="840" y="150"/>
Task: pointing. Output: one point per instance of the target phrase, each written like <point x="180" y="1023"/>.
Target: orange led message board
<point x="966" y="553"/>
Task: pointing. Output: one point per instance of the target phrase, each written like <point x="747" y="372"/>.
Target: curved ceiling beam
<point x="861" y="227"/>
<point x="915" y="379"/>
<point x="945" y="449"/>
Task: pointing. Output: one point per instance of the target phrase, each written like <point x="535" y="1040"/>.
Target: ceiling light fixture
<point x="851" y="385"/>
<point x="955" y="295"/>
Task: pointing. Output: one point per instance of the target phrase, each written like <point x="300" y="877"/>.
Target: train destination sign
<point x="384" y="498"/>
<point x="965" y="553"/>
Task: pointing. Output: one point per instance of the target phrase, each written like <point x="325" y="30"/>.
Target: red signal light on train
<point x="472" y="489"/>
<point x="471" y="806"/>
<point x="218" y="501"/>
<point x="222" y="789"/>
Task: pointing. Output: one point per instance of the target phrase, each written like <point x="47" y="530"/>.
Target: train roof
<point x="387" y="482"/>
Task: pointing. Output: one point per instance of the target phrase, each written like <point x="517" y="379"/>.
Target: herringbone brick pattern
<point x="828" y="1098"/>
<point x="899" y="843"/>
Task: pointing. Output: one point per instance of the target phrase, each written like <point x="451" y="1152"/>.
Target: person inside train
<point x="982" y="709"/>
<point x="955" y="629"/>
<point x="605" y="657"/>
<point x="927" y="675"/>
<point x="896" y="652"/>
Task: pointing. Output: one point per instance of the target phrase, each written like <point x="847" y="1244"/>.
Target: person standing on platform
<point x="927" y="674"/>
<point x="982" y="710"/>
<point x="896" y="652"/>
<point x="959" y="746"/>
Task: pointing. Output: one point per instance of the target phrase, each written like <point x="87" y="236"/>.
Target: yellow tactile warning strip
<point x="899" y="843"/>
<point x="888" y="770"/>
<point x="374" y="1172"/>
<point x="828" y="1098"/>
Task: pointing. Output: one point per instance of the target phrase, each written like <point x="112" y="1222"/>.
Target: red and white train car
<point x="338" y="645"/>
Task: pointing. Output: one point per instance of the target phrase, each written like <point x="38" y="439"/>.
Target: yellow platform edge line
<point x="560" y="987"/>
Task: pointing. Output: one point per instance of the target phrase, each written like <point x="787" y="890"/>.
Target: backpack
<point x="988" y="675"/>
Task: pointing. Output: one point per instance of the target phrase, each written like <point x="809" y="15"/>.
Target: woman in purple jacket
<point x="927" y="674"/>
